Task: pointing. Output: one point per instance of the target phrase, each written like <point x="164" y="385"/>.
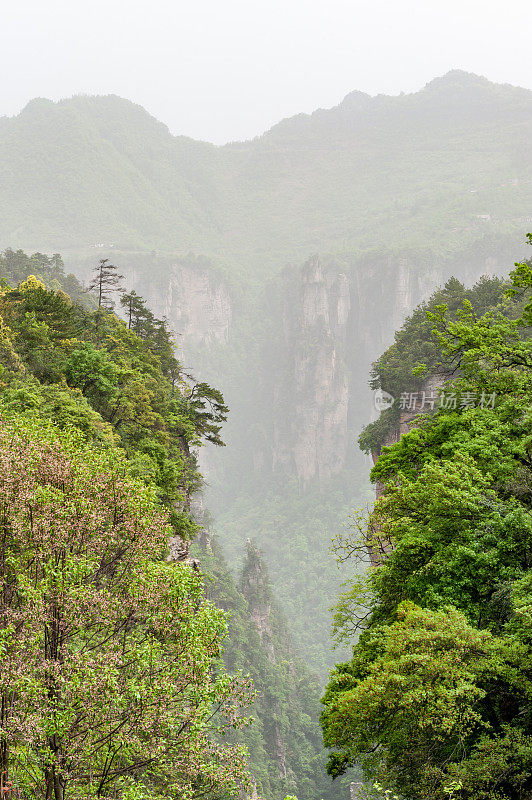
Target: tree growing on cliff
<point x="207" y="408"/>
<point x="438" y="693"/>
<point x="111" y="676"/>
<point x="133" y="305"/>
<point x="105" y="282"/>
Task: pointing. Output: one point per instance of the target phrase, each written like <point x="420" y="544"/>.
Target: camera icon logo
<point x="382" y="399"/>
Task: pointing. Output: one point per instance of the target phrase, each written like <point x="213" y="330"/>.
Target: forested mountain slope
<point x="120" y="388"/>
<point x="112" y="676"/>
<point x="436" y="699"/>
<point x="437" y="166"/>
<point x="283" y="265"/>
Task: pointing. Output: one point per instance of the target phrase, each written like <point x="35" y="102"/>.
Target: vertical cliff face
<point x="335" y="322"/>
<point x="194" y="299"/>
<point x="255" y="586"/>
<point x="256" y="589"/>
<point x="310" y="440"/>
<point x="198" y="306"/>
<point x="402" y="302"/>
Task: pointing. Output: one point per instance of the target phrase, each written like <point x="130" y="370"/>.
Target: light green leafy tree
<point x="111" y="681"/>
<point x="437" y="700"/>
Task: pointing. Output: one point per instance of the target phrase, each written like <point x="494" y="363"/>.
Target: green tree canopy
<point x="437" y="700"/>
<point x="111" y="670"/>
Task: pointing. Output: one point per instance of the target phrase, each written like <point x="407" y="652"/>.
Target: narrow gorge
<point x="283" y="267"/>
<point x="293" y="361"/>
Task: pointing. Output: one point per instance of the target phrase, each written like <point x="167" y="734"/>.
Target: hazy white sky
<point x="229" y="69"/>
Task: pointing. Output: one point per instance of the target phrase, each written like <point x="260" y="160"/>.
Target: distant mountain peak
<point x="109" y="111"/>
<point x="458" y="78"/>
<point x="356" y="100"/>
<point x="453" y="81"/>
<point x="37" y="104"/>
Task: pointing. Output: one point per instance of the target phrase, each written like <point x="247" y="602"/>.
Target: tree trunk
<point x="4" y="746"/>
<point x="49" y="780"/>
<point x="55" y="785"/>
<point x="59" y="787"/>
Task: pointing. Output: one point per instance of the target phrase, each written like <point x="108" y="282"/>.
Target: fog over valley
<point x="265" y="401"/>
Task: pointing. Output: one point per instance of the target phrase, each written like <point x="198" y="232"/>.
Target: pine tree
<point x="134" y="306"/>
<point x="105" y="282"/>
<point x="207" y="408"/>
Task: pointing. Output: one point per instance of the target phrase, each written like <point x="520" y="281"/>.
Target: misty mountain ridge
<point x="465" y="89"/>
<point x="464" y="93"/>
<point x="394" y="194"/>
<point x="433" y="166"/>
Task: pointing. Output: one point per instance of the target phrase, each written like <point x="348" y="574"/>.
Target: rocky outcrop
<point x="255" y="586"/>
<point x="198" y="306"/>
<point x="178" y="547"/>
<point x="358" y="791"/>
<point x="256" y="589"/>
<point x="194" y="299"/>
<point x="334" y="322"/>
<point x="423" y="401"/>
<point x="311" y="440"/>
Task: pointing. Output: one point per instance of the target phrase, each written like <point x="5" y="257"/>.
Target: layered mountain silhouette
<point x="434" y="166"/>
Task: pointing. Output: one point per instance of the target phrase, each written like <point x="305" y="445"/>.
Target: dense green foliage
<point x="85" y="368"/>
<point x="112" y="684"/>
<point x="119" y="386"/>
<point x="437" y="699"/>
<point x="284" y="744"/>
<point x="93" y="616"/>
<point x="15" y="266"/>
<point x="404" y="367"/>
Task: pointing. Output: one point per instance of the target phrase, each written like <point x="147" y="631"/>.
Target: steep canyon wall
<point x="306" y="390"/>
<point x="293" y="361"/>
